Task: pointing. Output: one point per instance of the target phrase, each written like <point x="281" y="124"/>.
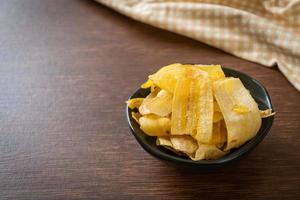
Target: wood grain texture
<point x="66" y="69"/>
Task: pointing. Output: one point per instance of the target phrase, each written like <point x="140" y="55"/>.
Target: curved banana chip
<point x="207" y="152"/>
<point x="166" y="78"/>
<point x="239" y="109"/>
<point x="160" y="105"/>
<point x="154" y="125"/>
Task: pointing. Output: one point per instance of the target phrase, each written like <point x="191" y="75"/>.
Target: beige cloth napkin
<point x="263" y="31"/>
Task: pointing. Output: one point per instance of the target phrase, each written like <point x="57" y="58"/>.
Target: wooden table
<point x="66" y="70"/>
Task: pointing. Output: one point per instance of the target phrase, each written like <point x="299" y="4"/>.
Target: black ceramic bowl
<point x="258" y="92"/>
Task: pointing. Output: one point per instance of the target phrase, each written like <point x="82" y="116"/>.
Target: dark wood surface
<point x="66" y="69"/>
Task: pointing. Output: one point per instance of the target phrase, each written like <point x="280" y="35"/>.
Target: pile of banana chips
<point x="194" y="110"/>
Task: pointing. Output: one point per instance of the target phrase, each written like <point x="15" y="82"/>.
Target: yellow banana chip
<point x="143" y="109"/>
<point x="136" y="116"/>
<point x="207" y="152"/>
<point x="184" y="143"/>
<point x="266" y="113"/>
<point x="134" y="103"/>
<point x="205" y="113"/>
<point x="147" y="84"/>
<point x="166" y="143"/>
<point x="192" y="108"/>
<point x="154" y="125"/>
<point x="167" y="76"/>
<point x="230" y="93"/>
<point x="160" y="105"/>
<point x="180" y="107"/>
<point x="215" y="72"/>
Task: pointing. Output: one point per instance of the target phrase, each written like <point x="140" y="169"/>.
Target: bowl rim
<point x="247" y="147"/>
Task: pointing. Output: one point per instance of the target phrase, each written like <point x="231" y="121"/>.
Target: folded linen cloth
<point x="263" y="31"/>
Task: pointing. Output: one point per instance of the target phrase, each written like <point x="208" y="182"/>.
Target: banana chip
<point x="205" y="113"/>
<point x="184" y="143"/>
<point x="266" y="113"/>
<point x="230" y="93"/>
<point x="166" y="143"/>
<point x="208" y="152"/>
<point x="167" y="76"/>
<point x="194" y="110"/>
<point x="136" y="116"/>
<point x="215" y="72"/>
<point x="180" y="107"/>
<point x="147" y="84"/>
<point x="160" y="105"/>
<point x="154" y="125"/>
<point x="134" y="103"/>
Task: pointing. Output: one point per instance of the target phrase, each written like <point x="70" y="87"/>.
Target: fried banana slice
<point x="239" y="109"/>
<point x="160" y="105"/>
<point x="154" y="125"/>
